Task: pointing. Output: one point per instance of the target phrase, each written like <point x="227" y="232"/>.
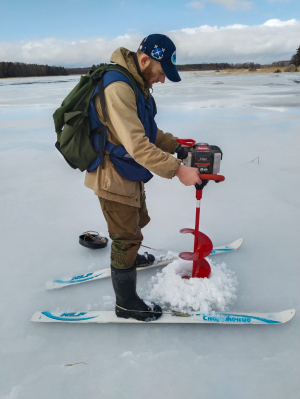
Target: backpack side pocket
<point x="75" y="141"/>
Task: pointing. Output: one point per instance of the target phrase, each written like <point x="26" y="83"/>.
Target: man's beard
<point x="147" y="75"/>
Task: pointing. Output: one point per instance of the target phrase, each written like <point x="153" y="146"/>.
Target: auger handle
<point x="205" y="178"/>
<point x="216" y="178"/>
<point x="187" y="142"/>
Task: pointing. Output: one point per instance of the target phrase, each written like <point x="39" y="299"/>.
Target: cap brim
<point x="171" y="72"/>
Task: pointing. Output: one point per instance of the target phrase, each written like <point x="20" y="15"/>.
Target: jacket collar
<point x="128" y="60"/>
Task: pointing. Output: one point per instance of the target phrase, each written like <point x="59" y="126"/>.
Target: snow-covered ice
<point x="45" y="207"/>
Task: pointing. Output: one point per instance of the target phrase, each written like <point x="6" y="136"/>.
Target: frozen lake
<point x="45" y="207"/>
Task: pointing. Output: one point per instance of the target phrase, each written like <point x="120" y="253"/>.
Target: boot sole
<point x="137" y="315"/>
<point x="145" y="265"/>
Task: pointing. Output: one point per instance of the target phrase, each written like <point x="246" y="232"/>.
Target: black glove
<point x="182" y="153"/>
<point x="202" y="185"/>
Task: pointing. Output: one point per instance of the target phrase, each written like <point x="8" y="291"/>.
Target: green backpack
<point x="72" y="122"/>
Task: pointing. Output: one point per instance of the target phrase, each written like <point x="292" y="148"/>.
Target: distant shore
<point x="234" y="71"/>
<point x="44" y="76"/>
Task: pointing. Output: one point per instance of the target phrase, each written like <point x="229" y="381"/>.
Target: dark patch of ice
<point x="275" y="84"/>
<point x="33" y="83"/>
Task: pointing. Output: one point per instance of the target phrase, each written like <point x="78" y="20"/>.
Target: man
<point x="131" y="124"/>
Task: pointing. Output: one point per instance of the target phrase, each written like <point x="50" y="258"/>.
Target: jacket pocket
<point x="114" y="183"/>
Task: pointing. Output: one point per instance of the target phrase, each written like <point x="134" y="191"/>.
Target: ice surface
<point x="45" y="207"/>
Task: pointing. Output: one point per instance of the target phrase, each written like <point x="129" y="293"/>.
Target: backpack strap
<point x="102" y="99"/>
<point x="102" y="103"/>
<point x="99" y="79"/>
<point x="128" y="75"/>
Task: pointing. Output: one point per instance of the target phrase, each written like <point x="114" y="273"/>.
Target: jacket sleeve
<point x="125" y="125"/>
<point x="166" y="141"/>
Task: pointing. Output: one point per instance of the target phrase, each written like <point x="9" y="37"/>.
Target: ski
<point x="227" y="248"/>
<point x="104" y="273"/>
<point x="173" y="317"/>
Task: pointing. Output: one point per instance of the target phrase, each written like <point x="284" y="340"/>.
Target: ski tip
<point x="49" y="285"/>
<point x="36" y="316"/>
<point x="52" y="285"/>
<point x="237" y="243"/>
<point x="287" y="315"/>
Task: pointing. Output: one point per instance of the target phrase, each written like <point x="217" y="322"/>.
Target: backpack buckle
<point x="97" y="77"/>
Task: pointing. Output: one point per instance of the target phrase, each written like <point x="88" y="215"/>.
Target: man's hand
<point x="188" y="176"/>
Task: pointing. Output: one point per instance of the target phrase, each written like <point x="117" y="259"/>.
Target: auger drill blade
<point x="204" y="247"/>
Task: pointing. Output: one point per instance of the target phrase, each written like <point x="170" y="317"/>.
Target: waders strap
<point x="101" y="149"/>
<point x="100" y="131"/>
<point x="102" y="103"/>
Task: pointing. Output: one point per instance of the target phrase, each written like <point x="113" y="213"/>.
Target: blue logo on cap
<point x="173" y="58"/>
<point x="157" y="52"/>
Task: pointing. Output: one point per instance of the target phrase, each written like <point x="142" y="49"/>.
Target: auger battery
<point x="207" y="158"/>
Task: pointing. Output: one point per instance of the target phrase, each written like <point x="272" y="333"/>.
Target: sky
<point x="82" y="33"/>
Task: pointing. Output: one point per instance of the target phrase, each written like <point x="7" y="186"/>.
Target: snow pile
<point x="169" y="256"/>
<point x="217" y="292"/>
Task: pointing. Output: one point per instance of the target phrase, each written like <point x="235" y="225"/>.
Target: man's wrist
<point x="178" y="170"/>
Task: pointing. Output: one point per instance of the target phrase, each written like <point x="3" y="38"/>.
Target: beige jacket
<point x="125" y="127"/>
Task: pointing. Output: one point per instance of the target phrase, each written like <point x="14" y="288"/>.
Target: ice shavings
<point x="217" y="292"/>
<point x="149" y="304"/>
<point x="169" y="256"/>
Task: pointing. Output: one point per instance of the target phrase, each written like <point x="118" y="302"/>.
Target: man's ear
<point x="144" y="61"/>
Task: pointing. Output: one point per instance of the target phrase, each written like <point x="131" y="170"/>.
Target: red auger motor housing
<point x="207" y="158"/>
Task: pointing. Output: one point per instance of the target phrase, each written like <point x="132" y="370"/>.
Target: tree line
<point x="83" y="71"/>
<point x="22" y="70"/>
<point x="296" y="58"/>
<point x="19" y="69"/>
<point x="216" y="66"/>
<point x="203" y="66"/>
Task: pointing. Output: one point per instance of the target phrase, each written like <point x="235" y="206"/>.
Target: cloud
<point x="55" y="51"/>
<point x="201" y="29"/>
<point x="236" y="5"/>
<point x="272" y="41"/>
<point x="235" y="26"/>
<point x="277" y="22"/>
<point x="195" y="4"/>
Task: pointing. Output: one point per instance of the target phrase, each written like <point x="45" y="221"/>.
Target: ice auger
<point x="207" y="159"/>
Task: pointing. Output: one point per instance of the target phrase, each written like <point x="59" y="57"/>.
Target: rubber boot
<point x="144" y="260"/>
<point x="128" y="303"/>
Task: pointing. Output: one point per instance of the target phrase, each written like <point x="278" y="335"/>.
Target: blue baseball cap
<point x="161" y="48"/>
